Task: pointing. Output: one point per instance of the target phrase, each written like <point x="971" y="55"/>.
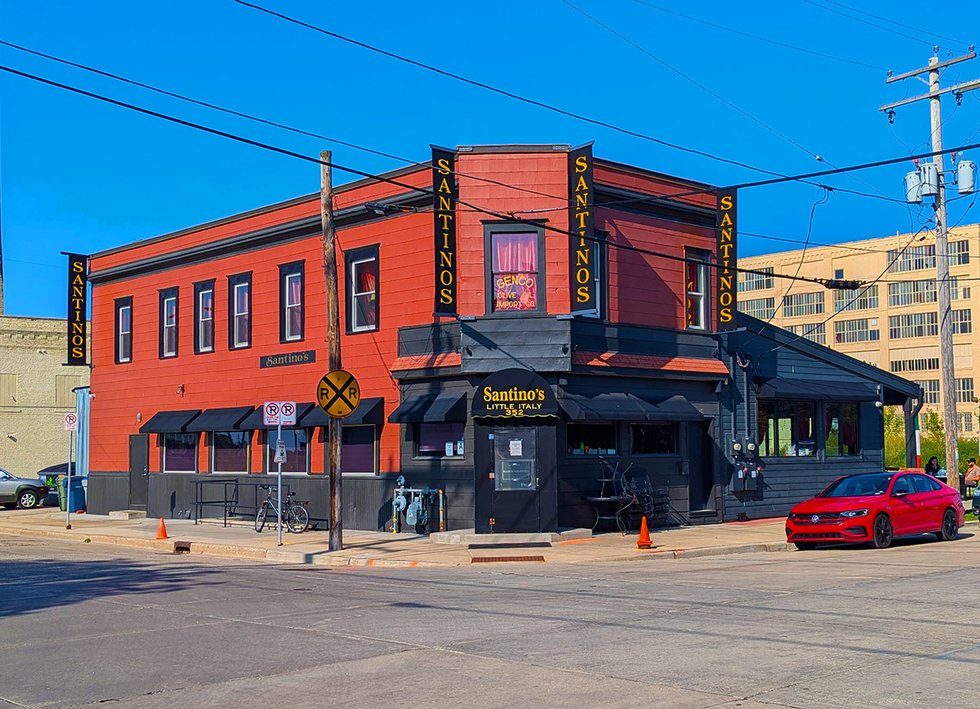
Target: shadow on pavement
<point x="30" y="586"/>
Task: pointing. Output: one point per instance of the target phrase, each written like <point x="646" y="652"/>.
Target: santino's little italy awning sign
<point x="514" y="393"/>
<point x="727" y="259"/>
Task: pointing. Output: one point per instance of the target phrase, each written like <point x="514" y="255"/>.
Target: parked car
<point x="875" y="508"/>
<point x="20" y="492"/>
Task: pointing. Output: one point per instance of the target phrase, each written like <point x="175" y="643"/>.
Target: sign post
<point x="71" y="423"/>
<point x="278" y="413"/>
<point x="338" y="394"/>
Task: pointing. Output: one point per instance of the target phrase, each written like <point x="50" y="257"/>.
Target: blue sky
<point x="83" y="176"/>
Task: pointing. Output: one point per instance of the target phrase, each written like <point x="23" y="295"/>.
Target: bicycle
<point x="294" y="514"/>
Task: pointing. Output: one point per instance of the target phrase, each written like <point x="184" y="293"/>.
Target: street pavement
<point x="84" y="624"/>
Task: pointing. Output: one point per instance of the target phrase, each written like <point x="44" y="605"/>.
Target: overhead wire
<point x="897" y="23"/>
<point x="871" y="24"/>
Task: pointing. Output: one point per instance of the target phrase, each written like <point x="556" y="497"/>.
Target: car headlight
<point x="855" y="513"/>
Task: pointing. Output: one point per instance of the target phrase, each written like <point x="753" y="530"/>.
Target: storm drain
<point x="495" y="559"/>
<point x="182" y="547"/>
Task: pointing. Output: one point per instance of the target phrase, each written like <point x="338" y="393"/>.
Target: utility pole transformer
<point x="947" y="377"/>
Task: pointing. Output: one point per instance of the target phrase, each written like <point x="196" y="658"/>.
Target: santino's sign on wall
<point x="581" y="223"/>
<point x="727" y="289"/>
<point x="77" y="308"/>
<point x="445" y="193"/>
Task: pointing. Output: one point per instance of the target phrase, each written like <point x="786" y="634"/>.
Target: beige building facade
<point x="894" y="324"/>
<point x="35" y="393"/>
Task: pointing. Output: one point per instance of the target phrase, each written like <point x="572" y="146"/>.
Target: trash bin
<point x="75" y="496"/>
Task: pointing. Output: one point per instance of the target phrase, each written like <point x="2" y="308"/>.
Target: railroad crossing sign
<point x="338" y="393"/>
<point x="71" y="422"/>
<point x="279" y="412"/>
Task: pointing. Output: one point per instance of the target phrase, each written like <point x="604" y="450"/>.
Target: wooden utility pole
<point x="336" y="542"/>
<point x="947" y="378"/>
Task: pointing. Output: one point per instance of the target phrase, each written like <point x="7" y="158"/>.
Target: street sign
<point x="279" y="412"/>
<point x="280" y="456"/>
<point x="71" y="422"/>
<point x="338" y="393"/>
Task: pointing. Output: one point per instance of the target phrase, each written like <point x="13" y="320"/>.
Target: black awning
<point x="254" y="420"/>
<point x="169" y="421"/>
<point x="676" y="408"/>
<point x="605" y="407"/>
<point x="220" y="419"/>
<point x="817" y="390"/>
<point x="368" y="411"/>
<point x="431" y="409"/>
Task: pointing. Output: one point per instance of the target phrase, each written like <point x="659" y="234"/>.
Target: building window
<point x="786" y="429"/>
<point x="860" y="330"/>
<point x="964" y="390"/>
<point x="239" y="311"/>
<point x="914" y="258"/>
<point x="761" y="308"/>
<point x="756" y="281"/>
<point x="362" y="290"/>
<point x="964" y="423"/>
<point x="913" y="325"/>
<point x="179" y="452"/>
<point x="291" y="299"/>
<point x="229" y="451"/>
<point x="962" y="322"/>
<point x="514" y="272"/>
<point x="864" y="298"/>
<point x="358" y="450"/>
<point x="64" y="390"/>
<point x="930" y="391"/>
<point x="653" y="439"/>
<point x="923" y="364"/>
<point x="590" y="439"/>
<point x="838" y="273"/>
<point x="124" y="330"/>
<point x="439" y="440"/>
<point x="696" y="277"/>
<point x="801" y="304"/>
<point x="841" y="429"/>
<point x="817" y="332"/>
<point x="959" y="253"/>
<point x="168" y="323"/>
<point x="911" y="293"/>
<point x="296" y="441"/>
<point x="204" y="317"/>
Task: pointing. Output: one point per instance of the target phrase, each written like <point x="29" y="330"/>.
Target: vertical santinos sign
<point x="77" y="307"/>
<point x="444" y="191"/>
<point x="581" y="222"/>
<point x="727" y="259"/>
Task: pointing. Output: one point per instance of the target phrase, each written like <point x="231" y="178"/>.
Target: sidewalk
<point x="389" y="550"/>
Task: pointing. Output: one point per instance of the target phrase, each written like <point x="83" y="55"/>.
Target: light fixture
<point x="180" y="389"/>
<point x="139" y="417"/>
<point x="384" y="209"/>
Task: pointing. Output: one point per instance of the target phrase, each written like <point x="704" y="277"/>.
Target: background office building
<point x="894" y="325"/>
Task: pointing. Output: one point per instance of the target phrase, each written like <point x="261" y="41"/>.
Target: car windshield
<point x="858" y="486"/>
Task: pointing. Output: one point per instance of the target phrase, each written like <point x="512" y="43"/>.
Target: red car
<point x="875" y="508"/>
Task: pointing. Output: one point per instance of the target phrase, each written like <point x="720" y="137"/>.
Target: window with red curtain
<point x="364" y="294"/>
<point x="514" y="271"/>
<point x="291" y="296"/>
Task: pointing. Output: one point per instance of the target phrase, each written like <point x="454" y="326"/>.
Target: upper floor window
<point x="913" y="258"/>
<point x="863" y="298"/>
<point x="514" y="271"/>
<point x="124" y="330"/>
<point x="239" y="311"/>
<point x="913" y="325"/>
<point x="362" y="290"/>
<point x="696" y="278"/>
<point x="204" y="317"/>
<point x="859" y="330"/>
<point x="959" y="252"/>
<point x="817" y="332"/>
<point x="168" y="322"/>
<point x="291" y="297"/>
<point x="930" y="391"/>
<point x="761" y="308"/>
<point x="962" y="322"/>
<point x="759" y="279"/>
<point x="801" y="304"/>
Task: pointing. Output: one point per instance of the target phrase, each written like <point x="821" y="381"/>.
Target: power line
<point x="896" y="23"/>
<point x="381" y="178"/>
<point x="769" y="40"/>
<point x="866" y="22"/>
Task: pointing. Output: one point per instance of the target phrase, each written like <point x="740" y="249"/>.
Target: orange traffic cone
<point x="162" y="530"/>
<point x="642" y="543"/>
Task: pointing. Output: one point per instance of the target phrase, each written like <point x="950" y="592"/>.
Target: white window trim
<point x="354" y="293"/>
<point x="119" y="341"/>
<point x="287" y="306"/>
<point x="166" y="305"/>
<point x="197" y="442"/>
<point x="201" y="320"/>
<point x="701" y="295"/>
<point x="236" y="313"/>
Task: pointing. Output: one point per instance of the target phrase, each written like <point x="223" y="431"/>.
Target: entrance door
<point x="701" y="466"/>
<point x="515" y="505"/>
<point x="139" y="460"/>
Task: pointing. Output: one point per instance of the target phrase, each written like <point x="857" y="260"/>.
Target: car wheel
<point x="882" y="534"/>
<point x="805" y="546"/>
<point x="27" y="499"/>
<point x="949" y="531"/>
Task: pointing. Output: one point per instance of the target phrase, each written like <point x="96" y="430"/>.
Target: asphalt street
<point x="83" y="624"/>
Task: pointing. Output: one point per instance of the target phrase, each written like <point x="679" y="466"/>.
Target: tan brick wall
<point x="35" y="393"/>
